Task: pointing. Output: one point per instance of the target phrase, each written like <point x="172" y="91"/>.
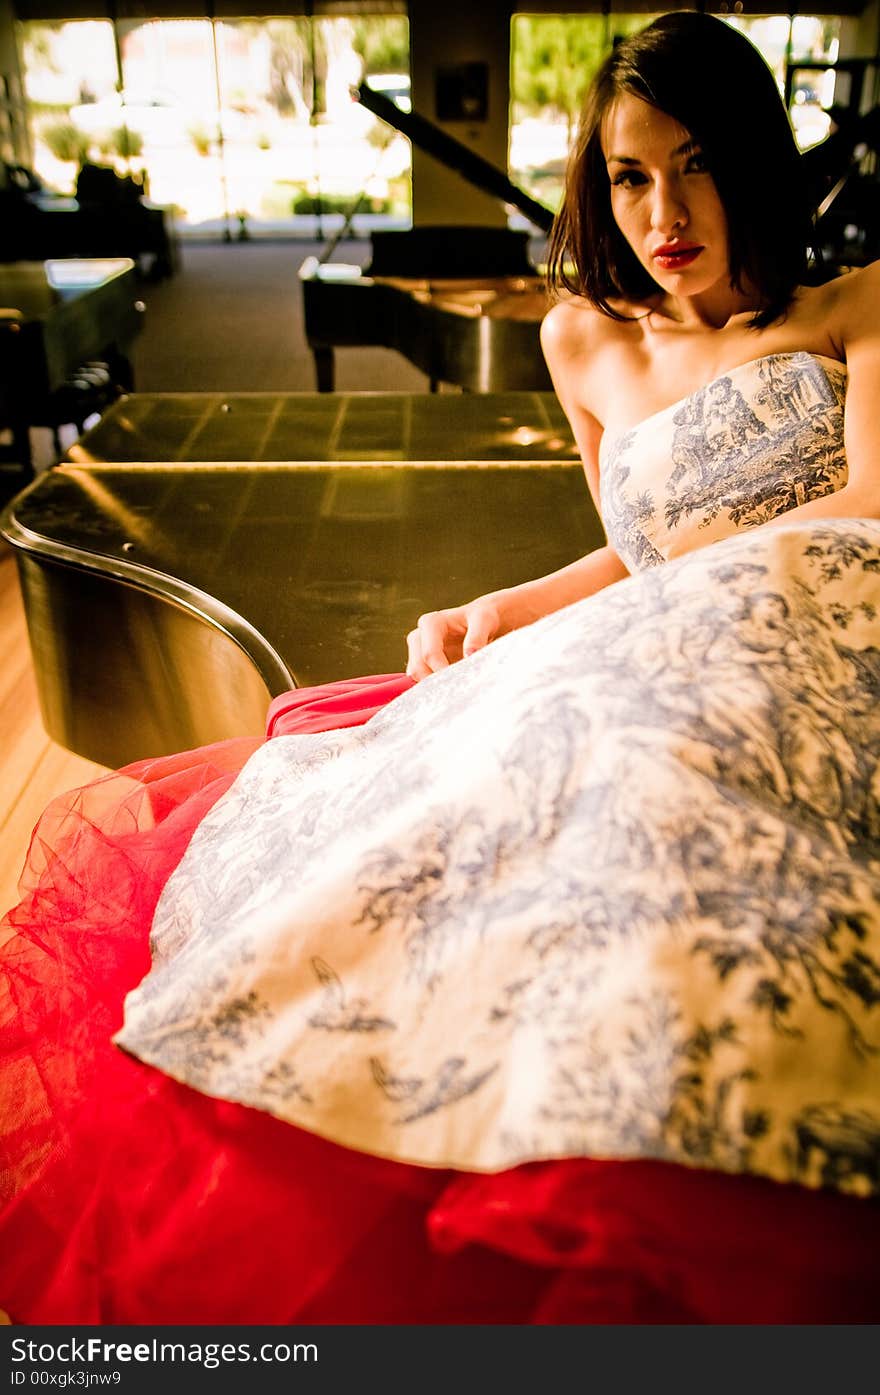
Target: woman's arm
<point x="443" y="637"/>
<point x="860" y="345"/>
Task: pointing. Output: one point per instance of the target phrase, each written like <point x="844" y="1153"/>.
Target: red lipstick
<point x="672" y="256"/>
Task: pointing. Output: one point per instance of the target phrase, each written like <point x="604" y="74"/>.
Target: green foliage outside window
<point x="382" y="43"/>
<point x="123" y="142"/>
<point x="66" y="142"/>
<point x="555" y="57"/>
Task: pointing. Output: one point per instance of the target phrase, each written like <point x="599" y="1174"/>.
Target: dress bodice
<point x="755" y="442"/>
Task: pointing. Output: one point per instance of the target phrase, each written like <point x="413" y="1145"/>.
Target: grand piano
<point x="198" y="553"/>
<point x="56" y="315"/>
<point x="464" y="304"/>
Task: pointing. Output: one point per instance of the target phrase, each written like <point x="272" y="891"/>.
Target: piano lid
<point x="455" y="155"/>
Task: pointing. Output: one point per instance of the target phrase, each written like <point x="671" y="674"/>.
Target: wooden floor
<point x="32" y="768"/>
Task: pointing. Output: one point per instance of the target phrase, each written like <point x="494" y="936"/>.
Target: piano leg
<point x="325" y="367"/>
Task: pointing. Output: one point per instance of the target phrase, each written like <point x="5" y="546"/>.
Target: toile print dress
<point x="605" y="895"/>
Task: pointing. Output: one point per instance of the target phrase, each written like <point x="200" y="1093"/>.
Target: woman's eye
<point x="628" y="179"/>
<point x="696" y="163"/>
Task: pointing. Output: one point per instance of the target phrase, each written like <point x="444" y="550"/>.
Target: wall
<point x="443" y="34"/>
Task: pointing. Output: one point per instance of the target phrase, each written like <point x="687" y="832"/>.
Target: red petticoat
<point x="128" y="1198"/>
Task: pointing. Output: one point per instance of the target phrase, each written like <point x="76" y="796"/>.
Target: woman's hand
<point x="442" y="637"/>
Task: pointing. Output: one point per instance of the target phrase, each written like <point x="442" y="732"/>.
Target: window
<point x="785" y="42"/>
<point x="244" y="126"/>
<point x="553" y="60"/>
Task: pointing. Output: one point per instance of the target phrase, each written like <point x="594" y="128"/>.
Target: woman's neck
<point x="713" y="309"/>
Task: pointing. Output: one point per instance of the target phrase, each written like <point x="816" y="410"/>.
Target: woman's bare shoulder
<point x="574" y="325"/>
<point x="569" y="325"/>
<point x="860" y="297"/>
<point x="851" y="305"/>
<point x="862" y="277"/>
<point x="579" y="343"/>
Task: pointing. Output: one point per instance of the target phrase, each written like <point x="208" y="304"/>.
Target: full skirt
<point x="127" y="1197"/>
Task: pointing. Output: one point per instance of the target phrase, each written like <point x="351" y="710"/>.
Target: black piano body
<point x="69" y="309"/>
<point x="464" y="304"/>
<point x="55" y="316"/>
<point x="199" y="553"/>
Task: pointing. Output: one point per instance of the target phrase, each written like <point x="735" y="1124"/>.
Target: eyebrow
<point x="686" y="148"/>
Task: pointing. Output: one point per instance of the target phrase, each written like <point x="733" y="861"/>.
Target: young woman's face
<point x="663" y="198"/>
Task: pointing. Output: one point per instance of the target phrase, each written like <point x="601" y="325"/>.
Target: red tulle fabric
<point x="128" y="1198"/>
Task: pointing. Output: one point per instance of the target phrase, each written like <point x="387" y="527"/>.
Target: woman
<point x="680" y="270"/>
<point x="590" y="919"/>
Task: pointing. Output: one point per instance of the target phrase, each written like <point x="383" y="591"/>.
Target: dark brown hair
<point x="714" y="82"/>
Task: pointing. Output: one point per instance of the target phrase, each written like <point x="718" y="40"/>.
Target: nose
<point x="669" y="212"/>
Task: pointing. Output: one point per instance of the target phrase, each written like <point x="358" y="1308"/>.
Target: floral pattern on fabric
<point x="752" y="444"/>
<point x="608" y="888"/>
